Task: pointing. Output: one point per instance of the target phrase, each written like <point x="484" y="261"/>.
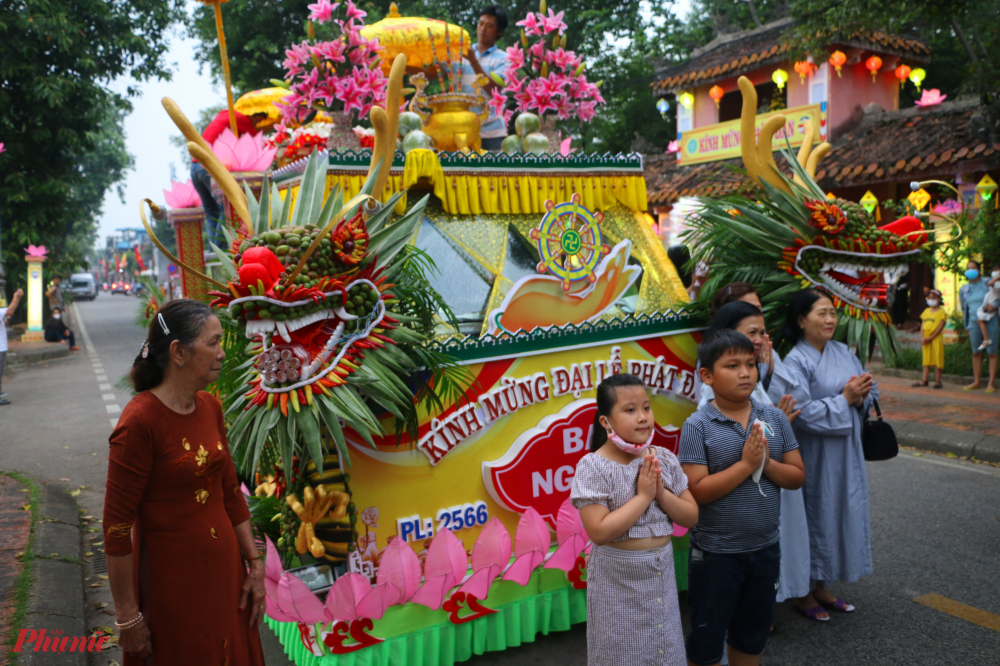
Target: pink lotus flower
<point x="322" y="11"/>
<point x="553" y="22"/>
<point x="36" y="251"/>
<point x="1" y="147"/>
<point x="247" y="153"/>
<point x="531" y="24"/>
<point x="948" y="207"/>
<point x="931" y="97"/>
<point x="673" y="146"/>
<point x="182" y="195"/>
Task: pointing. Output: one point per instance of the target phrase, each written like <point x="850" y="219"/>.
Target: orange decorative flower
<point x="826" y="217"/>
<point x="350" y="241"/>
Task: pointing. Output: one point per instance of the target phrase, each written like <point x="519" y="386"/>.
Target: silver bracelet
<point x="131" y="623"/>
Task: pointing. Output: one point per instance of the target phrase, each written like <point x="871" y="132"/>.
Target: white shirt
<point x="3" y="330"/>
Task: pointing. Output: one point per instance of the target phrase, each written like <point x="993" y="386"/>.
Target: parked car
<point x="120" y="288"/>
<point x="83" y="286"/>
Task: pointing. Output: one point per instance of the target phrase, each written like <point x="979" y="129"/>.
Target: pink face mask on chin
<point x="629" y="447"/>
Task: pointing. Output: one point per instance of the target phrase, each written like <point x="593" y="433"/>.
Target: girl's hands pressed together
<point x="649" y="481"/>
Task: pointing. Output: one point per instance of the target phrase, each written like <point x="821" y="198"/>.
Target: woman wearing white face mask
<point x="934" y="319"/>
<point x="57" y="331"/>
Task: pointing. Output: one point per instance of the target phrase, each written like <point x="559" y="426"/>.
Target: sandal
<point x="938" y="385"/>
<point x="838" y="605"/>
<point x="918" y="384"/>
<point x="812" y="613"/>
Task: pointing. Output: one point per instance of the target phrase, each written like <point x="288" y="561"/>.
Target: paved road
<point x="935" y="522"/>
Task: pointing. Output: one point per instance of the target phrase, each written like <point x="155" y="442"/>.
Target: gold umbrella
<point x="408" y="35"/>
<point x="262" y="101"/>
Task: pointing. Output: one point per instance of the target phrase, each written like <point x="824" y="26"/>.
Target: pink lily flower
<point x="564" y="108"/>
<point x="531" y="24"/>
<point x="322" y="11"/>
<point x="353" y="12"/>
<point x="586" y="110"/>
<point x="498" y="101"/>
<point x="515" y="57"/>
<point x="553" y="22"/>
<point x="295" y="57"/>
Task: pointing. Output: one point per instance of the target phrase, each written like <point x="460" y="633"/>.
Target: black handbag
<point x="878" y="439"/>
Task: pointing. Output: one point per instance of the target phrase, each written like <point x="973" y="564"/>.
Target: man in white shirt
<point x="5" y="314"/>
<point x="485" y="58"/>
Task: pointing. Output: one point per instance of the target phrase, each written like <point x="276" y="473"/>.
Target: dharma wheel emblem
<point x="569" y="240"/>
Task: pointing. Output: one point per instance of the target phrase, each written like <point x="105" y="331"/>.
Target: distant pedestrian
<point x="971" y="296"/>
<point x="5" y="315"/>
<point x="737" y="454"/>
<point x="988" y="310"/>
<point x="176" y="525"/>
<point x="57" y="331"/>
<point x="932" y="339"/>
<point x="834" y="394"/>
<point x="629" y="496"/>
<point x="54" y="294"/>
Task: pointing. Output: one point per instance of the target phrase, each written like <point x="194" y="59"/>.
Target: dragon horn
<point x="201" y="151"/>
<point x="158" y="214"/>
<point x="814" y="157"/>
<point x="758" y="159"/>
<point x="805" y="148"/>
<point x="386" y="124"/>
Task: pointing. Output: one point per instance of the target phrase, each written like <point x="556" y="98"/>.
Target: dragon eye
<point x="285" y="354"/>
<point x="281" y="376"/>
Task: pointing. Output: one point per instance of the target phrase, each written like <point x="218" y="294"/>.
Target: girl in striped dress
<point x="629" y="495"/>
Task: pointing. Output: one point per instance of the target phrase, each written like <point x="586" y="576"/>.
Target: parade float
<point x="414" y="340"/>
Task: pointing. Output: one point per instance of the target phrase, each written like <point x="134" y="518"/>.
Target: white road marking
<point x="109" y="397"/>
<point x="967" y="467"/>
<point x="104" y="387"/>
<point x="102" y="378"/>
<point x="114" y="423"/>
<point x="113" y="409"/>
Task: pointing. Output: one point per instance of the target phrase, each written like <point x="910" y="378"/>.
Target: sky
<point x="148" y="128"/>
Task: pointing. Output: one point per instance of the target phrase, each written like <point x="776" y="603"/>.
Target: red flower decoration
<point x="826" y="217"/>
<point x="350" y="241"/>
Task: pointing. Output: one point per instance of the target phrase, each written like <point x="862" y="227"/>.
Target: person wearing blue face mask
<point x="972" y="295"/>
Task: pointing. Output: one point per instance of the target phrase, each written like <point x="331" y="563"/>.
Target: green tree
<point x="61" y="124"/>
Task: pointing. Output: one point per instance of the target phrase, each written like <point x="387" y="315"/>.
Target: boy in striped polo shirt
<point x="737" y="454"/>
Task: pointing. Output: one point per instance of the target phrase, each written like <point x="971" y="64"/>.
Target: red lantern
<point x="902" y="73"/>
<point x="716" y="93"/>
<point x="837" y="59"/>
<point x="873" y="64"/>
<point x="804" y="67"/>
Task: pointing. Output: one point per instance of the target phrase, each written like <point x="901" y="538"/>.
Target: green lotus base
<point x="417" y="636"/>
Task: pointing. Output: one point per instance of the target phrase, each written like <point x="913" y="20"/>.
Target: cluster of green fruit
<point x="289" y="243"/>
<point x="361" y="299"/>
<point x="528" y="137"/>
<point x="858" y="219"/>
<point x="265" y="310"/>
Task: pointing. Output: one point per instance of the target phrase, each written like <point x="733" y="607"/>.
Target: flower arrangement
<point x="182" y="195"/>
<point x="542" y="76"/>
<point x="339" y="75"/>
<point x="299" y="141"/>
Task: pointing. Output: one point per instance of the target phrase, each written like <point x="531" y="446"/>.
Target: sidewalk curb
<point x="57" y="602"/>
<point x="15" y="358"/>
<point x="962" y="443"/>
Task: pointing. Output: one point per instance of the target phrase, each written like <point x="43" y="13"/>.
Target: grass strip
<point x="22" y="586"/>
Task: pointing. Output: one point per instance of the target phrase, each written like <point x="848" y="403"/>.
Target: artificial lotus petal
<point x="492" y="547"/>
<point x="271" y="607"/>
<point x="565" y="556"/>
<point x="182" y="195"/>
<point x="520" y="571"/>
<point x="343" y="598"/>
<point x="297" y="600"/>
<point x="446" y="555"/>
<point x="36" y="251"/>
<point x="246" y="153"/>
<point x="434" y="591"/>
<point x="272" y="564"/>
<point x="479" y="584"/>
<point x="400" y="566"/>
<point x="532" y="534"/>
<point x="568" y="522"/>
<point x="564" y="147"/>
<point x="378" y="600"/>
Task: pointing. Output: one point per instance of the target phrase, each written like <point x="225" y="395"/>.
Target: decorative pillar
<point x="36" y="292"/>
<point x="187" y="227"/>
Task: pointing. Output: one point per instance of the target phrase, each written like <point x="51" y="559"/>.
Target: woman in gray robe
<point x="834" y="394"/>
